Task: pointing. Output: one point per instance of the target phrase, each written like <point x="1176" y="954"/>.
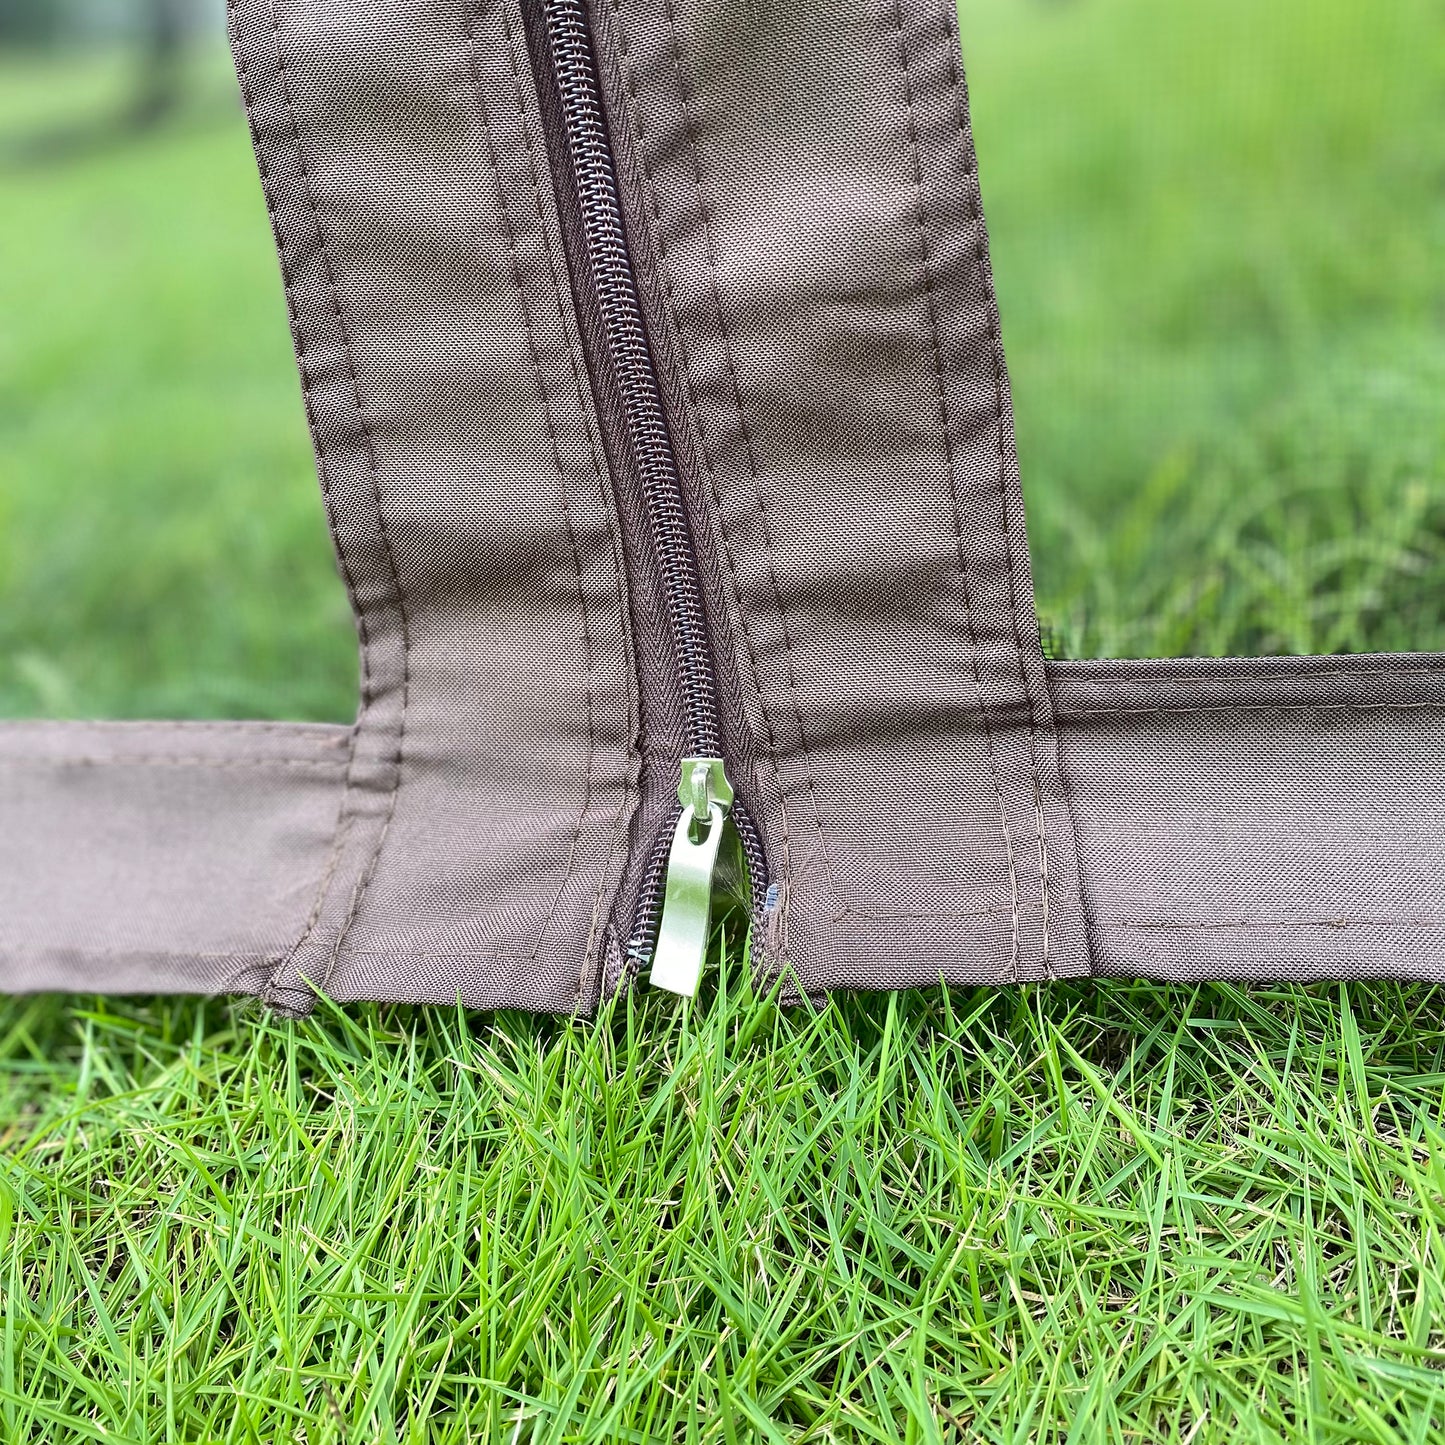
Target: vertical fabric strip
<point x="803" y="201"/>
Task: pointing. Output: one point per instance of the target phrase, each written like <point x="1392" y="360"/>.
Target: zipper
<point x="707" y="798"/>
<point x="671" y="921"/>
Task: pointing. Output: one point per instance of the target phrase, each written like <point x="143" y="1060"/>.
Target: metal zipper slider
<point x="707" y="799"/>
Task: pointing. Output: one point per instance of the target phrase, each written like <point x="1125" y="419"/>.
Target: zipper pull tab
<point x="707" y="800"/>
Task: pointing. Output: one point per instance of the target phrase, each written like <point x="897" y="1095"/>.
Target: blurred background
<point x="1219" y="236"/>
<point x="163" y="551"/>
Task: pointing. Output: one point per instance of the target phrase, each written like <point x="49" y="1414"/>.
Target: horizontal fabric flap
<point x="161" y="857"/>
<point x="1260" y="818"/>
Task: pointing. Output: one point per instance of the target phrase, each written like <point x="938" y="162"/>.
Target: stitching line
<point x="345" y="813"/>
<point x="1036" y="698"/>
<point x="473" y="14"/>
<point x="997" y="359"/>
<point x="594" y="441"/>
<point x="302" y="732"/>
<point x="745" y="431"/>
<point x="941" y="915"/>
<point x="1428" y="920"/>
<point x="22" y="760"/>
<point x="1068" y="713"/>
<point x="770" y="752"/>
<point x="143" y="955"/>
<point x="383" y="536"/>
<point x="1072" y="671"/>
<point x="1142" y="925"/>
<point x="921" y="215"/>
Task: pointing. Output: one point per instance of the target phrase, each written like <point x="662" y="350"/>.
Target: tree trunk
<point x="162" y="77"/>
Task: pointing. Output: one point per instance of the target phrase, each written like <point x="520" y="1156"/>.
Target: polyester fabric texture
<point x="936" y="802"/>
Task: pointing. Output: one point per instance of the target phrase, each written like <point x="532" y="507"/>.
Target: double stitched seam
<point x="1204" y="925"/>
<point x="921" y="216"/>
<point x="398" y="596"/>
<point x="146" y="955"/>
<point x="1069" y="713"/>
<point x="900" y="915"/>
<point x="634" y="724"/>
<point x="970" y="159"/>
<point x="345" y="813"/>
<point x="165" y="760"/>
<point x="430" y="955"/>
<point x="745" y="432"/>
<point x="664" y="271"/>
<point x="1071" y="673"/>
<point x="303" y="732"/>
<point x="534" y="350"/>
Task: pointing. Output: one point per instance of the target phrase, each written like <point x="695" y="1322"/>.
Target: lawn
<point x="163" y="551"/>
<point x="1091" y="1211"/>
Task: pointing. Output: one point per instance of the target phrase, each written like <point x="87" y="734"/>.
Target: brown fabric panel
<point x="488" y="811"/>
<point x="344" y="435"/>
<point x="803" y="200"/>
<point x="161" y="857"/>
<point x="804" y="209"/>
<point x="1260" y="818"/>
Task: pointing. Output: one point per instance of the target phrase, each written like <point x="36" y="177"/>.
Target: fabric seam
<point x="1073" y="671"/>
<point x="165" y="760"/>
<point x="704" y="206"/>
<point x="344" y="812"/>
<point x="384" y="537"/>
<point x="1068" y="714"/>
<point x="545" y="397"/>
<point x="1343" y="921"/>
<point x="853" y="915"/>
<point x="770" y="750"/>
<point x="311" y="732"/>
<point x="1037" y="687"/>
<point x="930" y="294"/>
<point x="253" y="960"/>
<point x="529" y="125"/>
<point x="1036" y="700"/>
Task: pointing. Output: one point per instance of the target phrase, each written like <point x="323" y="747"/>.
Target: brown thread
<point x="634" y="723"/>
<point x="145" y="955"/>
<point x="1187" y="669"/>
<point x="1144" y="925"/>
<point x="1067" y="713"/>
<point x="302" y="732"/>
<point x="556" y="445"/>
<point x="745" y="431"/>
<point x="945" y="420"/>
<point x="345" y="814"/>
<point x="970" y="160"/>
<point x="388" y="555"/>
<point x="15" y="760"/>
<point x="771" y="751"/>
<point x="442" y="955"/>
<point x="854" y="915"/>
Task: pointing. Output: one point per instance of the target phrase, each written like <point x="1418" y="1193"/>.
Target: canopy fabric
<point x="933" y="801"/>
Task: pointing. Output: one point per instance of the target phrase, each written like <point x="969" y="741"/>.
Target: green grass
<point x="162" y="547"/>
<point x="1102" y="1211"/>
<point x="1219" y="238"/>
<point x="1110" y="1212"/>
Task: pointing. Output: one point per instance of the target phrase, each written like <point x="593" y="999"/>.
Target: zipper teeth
<point x="617" y="301"/>
<point x="647" y="916"/>
<point x="613" y="283"/>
